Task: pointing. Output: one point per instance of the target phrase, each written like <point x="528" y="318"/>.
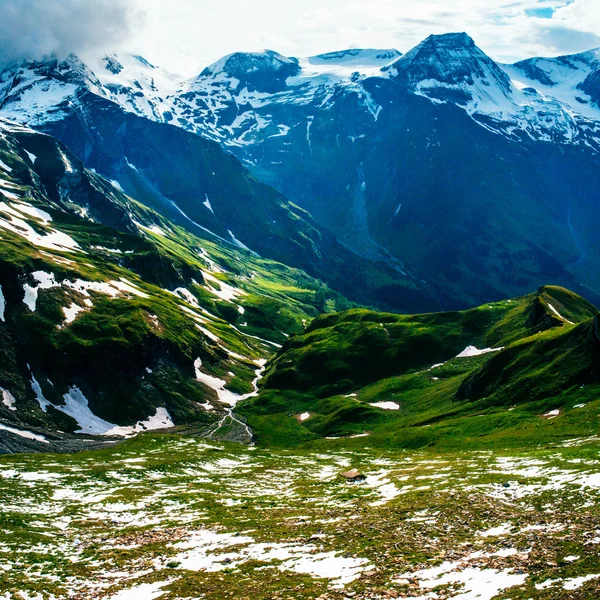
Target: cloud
<point x="186" y="35"/>
<point x="32" y="29"/>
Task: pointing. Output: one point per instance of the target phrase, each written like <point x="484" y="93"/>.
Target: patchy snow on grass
<point x="45" y="281"/>
<point x="221" y="289"/>
<point x="574" y="583"/>
<point x="109" y="250"/>
<point x="125" y="286"/>
<point x="473" y="351"/>
<point x="478" y="584"/>
<point x="53" y="240"/>
<point x="207" y="555"/>
<point x="5" y="167"/>
<point x="32" y="211"/>
<point x="501" y="530"/>
<point x="144" y="591"/>
<point x="72" y="311"/>
<point x="186" y="295"/>
<point x="8" y="399"/>
<point x="24" y="434"/>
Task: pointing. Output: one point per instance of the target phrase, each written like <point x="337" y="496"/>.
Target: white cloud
<point x="31" y="29"/>
<point x="186" y="35"/>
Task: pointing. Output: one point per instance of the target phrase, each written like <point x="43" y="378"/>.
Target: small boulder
<point x="353" y="476"/>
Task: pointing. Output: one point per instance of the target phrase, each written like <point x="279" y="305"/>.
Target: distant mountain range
<point x="471" y="180"/>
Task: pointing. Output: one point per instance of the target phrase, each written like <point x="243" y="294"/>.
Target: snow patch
<point x="2" y="305"/>
<point x="24" y="434"/>
<point x="559" y="315"/>
<point x="386" y="405"/>
<point x="473" y="351"/>
<point x="8" y="399"/>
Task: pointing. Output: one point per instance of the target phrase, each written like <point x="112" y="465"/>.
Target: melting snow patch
<point x="37" y="390"/>
<point x="552" y="414"/>
<point x="4" y="166"/>
<point x="293" y="556"/>
<point x="559" y="315"/>
<point x="8" y="400"/>
<point x="2" y="305"/>
<point x="72" y="311"/>
<point x="160" y="420"/>
<point x="386" y="405"/>
<point x="473" y="351"/>
<point x="24" y="434"/>
<point x="237" y="242"/>
<point x="497" y="531"/>
<point x="145" y="591"/>
<point x="218" y="385"/>
<point x="304" y="416"/>
<point x="207" y="204"/>
<point x="223" y="290"/>
<point x="32" y="211"/>
<point x="76" y="406"/>
<point x="45" y="281"/>
<point x="478" y="584"/>
<point x="568" y="584"/>
<point x="54" y="240"/>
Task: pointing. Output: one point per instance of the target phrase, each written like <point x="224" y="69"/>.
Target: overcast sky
<point x="186" y="35"/>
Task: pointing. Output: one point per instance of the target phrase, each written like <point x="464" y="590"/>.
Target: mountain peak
<point x="449" y="60"/>
<point x="451" y="40"/>
<point x="265" y="71"/>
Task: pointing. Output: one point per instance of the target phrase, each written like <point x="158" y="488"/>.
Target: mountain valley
<point x="300" y="328"/>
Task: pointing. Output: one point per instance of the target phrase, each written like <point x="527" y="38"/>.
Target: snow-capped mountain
<point x="380" y="148"/>
<point x="34" y="91"/>
<point x="550" y="99"/>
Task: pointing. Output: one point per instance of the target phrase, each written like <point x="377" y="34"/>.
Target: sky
<point x="184" y="36"/>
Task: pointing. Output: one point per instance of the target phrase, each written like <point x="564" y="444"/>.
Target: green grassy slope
<point x="150" y="298"/>
<point x="546" y="358"/>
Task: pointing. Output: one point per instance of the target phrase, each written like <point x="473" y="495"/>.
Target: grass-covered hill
<point x="112" y="316"/>
<point x="515" y="371"/>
